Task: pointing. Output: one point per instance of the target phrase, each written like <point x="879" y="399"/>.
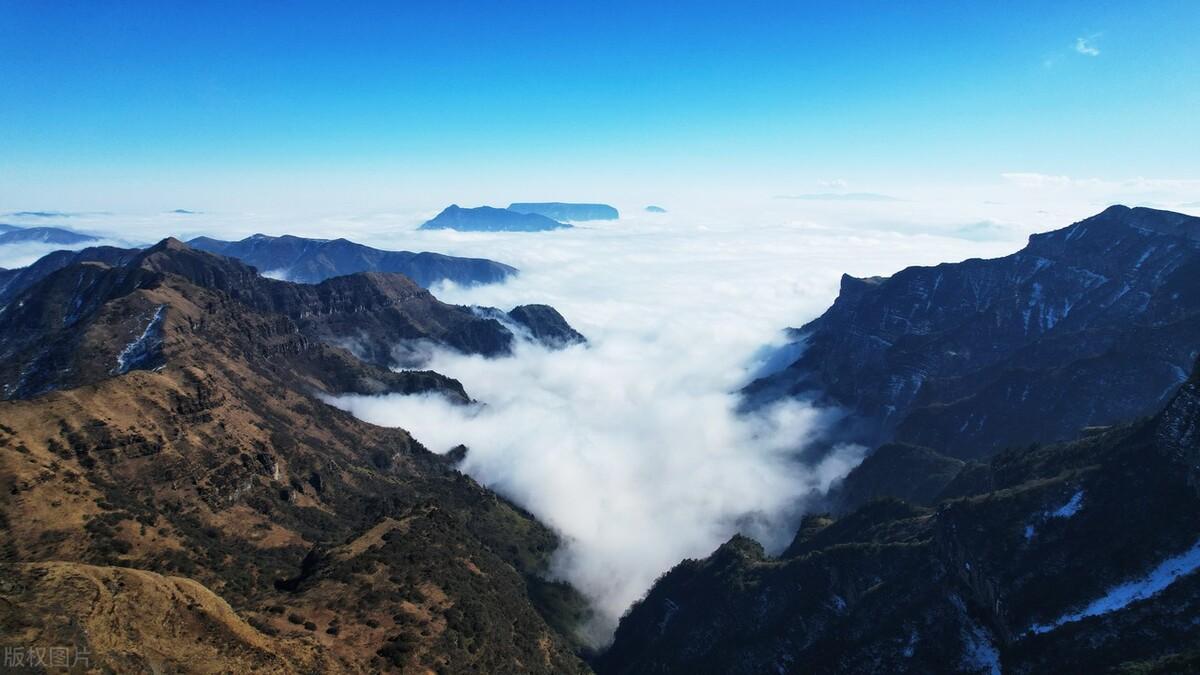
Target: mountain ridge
<point x="967" y="358"/>
<point x="311" y="261"/>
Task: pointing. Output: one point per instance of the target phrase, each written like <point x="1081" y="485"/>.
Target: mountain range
<point x="49" y="337"/>
<point x="1032" y="507"/>
<point x="13" y="234"/>
<point x="1090" y="325"/>
<point x="311" y="261"/>
<point x="176" y="493"/>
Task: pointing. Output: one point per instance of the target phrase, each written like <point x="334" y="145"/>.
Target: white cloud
<point x="25" y="253"/>
<point x="1086" y="45"/>
<point x="1138" y="191"/>
<point x="631" y="447"/>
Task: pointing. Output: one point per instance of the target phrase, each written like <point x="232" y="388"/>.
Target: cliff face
<point x="1081" y="557"/>
<point x="312" y="261"/>
<point x="181" y="482"/>
<point x="1089" y="325"/>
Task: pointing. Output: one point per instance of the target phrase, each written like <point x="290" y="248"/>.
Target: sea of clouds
<point x="632" y="447"/>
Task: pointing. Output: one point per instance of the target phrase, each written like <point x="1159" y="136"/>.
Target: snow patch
<point x="1121" y="596"/>
<point x="980" y="654"/>
<point x="1070" y="508"/>
<point x="139" y="351"/>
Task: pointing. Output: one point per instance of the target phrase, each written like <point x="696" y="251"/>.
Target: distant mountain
<point x="566" y="212"/>
<point x="655" y="209"/>
<point x="489" y="219"/>
<point x="314" y="260"/>
<point x="178" y="496"/>
<point x="4" y="227"/>
<point x="1080" y="557"/>
<point x="40" y="214"/>
<point x="43" y="235"/>
<point x="1089" y="325"/>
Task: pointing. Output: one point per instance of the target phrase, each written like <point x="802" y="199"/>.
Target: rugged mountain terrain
<point x="385" y="319"/>
<point x="565" y="211"/>
<point x="1076" y="557"/>
<point x="489" y="219"/>
<point x="312" y="261"/>
<point x="13" y="281"/>
<point x="179" y="498"/>
<point x="1089" y="325"/>
<point x="42" y="235"/>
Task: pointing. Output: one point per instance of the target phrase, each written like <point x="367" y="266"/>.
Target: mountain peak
<point x="168" y="244"/>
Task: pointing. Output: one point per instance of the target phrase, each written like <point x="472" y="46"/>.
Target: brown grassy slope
<point x="222" y="467"/>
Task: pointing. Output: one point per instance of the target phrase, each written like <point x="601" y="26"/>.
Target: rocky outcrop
<point x="1086" y="326"/>
<point x="546" y="325"/>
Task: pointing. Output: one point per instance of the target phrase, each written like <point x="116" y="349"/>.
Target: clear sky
<point x="114" y="105"/>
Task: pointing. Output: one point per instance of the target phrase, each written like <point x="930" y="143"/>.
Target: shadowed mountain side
<point x="1080" y="556"/>
<point x="1088" y="325"/>
<point x="311" y="261"/>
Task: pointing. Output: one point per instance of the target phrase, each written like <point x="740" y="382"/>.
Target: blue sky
<point x="121" y="104"/>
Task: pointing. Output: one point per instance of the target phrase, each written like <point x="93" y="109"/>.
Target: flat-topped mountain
<point x="1078" y="557"/>
<point x="314" y="260"/>
<point x="1089" y="325"/>
<point x="385" y="319"/>
<point x="565" y="211"/>
<point x="489" y="219"/>
<point x="173" y="490"/>
<point x="11" y="234"/>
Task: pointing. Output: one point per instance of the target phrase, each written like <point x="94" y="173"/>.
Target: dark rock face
<point x="489" y="219"/>
<point x="1089" y="325"/>
<point x="311" y="261"/>
<point x="546" y="325"/>
<point x="43" y="235"/>
<point x="1082" y="557"/>
<point x="564" y="211"/>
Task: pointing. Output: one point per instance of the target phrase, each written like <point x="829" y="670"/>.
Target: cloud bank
<point x="631" y="447"/>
